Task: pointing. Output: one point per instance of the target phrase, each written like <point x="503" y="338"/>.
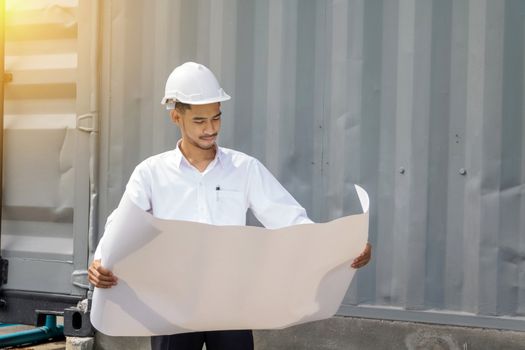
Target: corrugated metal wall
<point x="419" y="101"/>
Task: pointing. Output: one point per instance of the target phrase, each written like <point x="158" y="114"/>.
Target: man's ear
<point x="175" y="116"/>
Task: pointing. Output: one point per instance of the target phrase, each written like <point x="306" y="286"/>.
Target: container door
<point x="50" y="123"/>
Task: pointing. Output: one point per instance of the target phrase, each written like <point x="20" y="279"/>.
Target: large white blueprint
<point x="180" y="276"/>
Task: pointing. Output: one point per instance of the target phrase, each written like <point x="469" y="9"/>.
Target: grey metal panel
<point x="456" y="155"/>
<point x="421" y="101"/>
<point x="40" y="274"/>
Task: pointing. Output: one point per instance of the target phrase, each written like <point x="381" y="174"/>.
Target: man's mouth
<point x="208" y="138"/>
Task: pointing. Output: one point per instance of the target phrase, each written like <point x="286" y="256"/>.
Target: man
<point x="202" y="182"/>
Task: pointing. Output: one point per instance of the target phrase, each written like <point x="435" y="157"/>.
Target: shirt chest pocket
<point x="229" y="208"/>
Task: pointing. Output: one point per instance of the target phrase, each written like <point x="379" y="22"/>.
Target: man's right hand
<point x="101" y="277"/>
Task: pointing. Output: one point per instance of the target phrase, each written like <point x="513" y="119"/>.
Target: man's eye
<point x="198" y="121"/>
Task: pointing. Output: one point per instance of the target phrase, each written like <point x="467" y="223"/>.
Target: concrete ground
<point x="49" y="346"/>
<point x="347" y="333"/>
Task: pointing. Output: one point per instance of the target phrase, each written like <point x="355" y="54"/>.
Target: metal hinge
<point x="79" y="278"/>
<point x="88" y="122"/>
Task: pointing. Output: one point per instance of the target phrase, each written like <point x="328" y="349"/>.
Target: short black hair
<point x="182" y="107"/>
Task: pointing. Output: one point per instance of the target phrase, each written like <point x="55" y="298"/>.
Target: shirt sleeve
<point x="138" y="190"/>
<point x="98" y="251"/>
<point x="270" y="202"/>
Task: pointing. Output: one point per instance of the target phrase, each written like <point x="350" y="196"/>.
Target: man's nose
<point x="209" y="128"/>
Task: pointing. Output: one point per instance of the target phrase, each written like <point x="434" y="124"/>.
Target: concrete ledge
<point x="78" y="343"/>
<point x="105" y="342"/>
<point x="350" y="333"/>
<point x="366" y="334"/>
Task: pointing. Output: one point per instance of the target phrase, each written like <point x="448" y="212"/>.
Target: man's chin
<point x="206" y="146"/>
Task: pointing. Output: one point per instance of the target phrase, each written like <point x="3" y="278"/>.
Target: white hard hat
<point x="194" y="84"/>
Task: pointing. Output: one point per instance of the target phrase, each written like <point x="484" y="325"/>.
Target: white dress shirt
<point x="169" y="187"/>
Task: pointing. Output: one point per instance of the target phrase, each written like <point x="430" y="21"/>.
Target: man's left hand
<point x="363" y="258"/>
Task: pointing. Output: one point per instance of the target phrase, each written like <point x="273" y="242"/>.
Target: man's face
<point x="199" y="125"/>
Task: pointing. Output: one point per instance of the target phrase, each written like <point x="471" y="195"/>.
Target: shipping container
<point x="420" y="102"/>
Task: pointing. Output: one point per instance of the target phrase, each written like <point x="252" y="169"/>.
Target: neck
<point x="196" y="154"/>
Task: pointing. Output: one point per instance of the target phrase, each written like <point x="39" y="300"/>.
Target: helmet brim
<point x="224" y="97"/>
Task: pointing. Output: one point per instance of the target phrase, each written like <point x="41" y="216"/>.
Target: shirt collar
<point x="179" y="157"/>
